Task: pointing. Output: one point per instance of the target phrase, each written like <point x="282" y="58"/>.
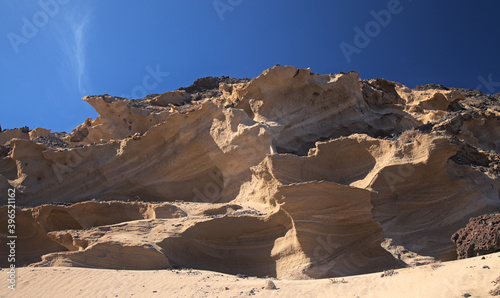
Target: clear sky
<point x="54" y="52"/>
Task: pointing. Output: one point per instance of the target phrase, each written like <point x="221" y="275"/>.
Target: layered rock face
<point x="290" y="174"/>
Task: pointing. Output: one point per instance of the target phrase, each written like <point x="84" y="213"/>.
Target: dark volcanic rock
<point x="481" y="236"/>
<point x="209" y="83"/>
<point x="79" y="135"/>
<point x="51" y="141"/>
<point x="430" y="86"/>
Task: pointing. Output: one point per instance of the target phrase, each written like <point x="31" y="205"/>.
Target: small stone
<point x="269" y="285"/>
<point x="466" y="295"/>
<point x="486" y="267"/>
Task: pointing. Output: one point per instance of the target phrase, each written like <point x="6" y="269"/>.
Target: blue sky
<point x="54" y="52"/>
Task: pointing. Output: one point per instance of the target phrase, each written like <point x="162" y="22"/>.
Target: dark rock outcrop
<point x="481" y="236"/>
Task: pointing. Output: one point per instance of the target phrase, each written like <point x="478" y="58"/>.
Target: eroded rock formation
<point x="291" y="174"/>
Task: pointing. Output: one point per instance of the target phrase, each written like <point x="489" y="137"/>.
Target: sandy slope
<point x="450" y="279"/>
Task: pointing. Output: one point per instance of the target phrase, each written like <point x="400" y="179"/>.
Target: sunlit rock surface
<point x="290" y="174"/>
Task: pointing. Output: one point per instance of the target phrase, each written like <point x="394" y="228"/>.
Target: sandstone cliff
<point x="290" y="174"/>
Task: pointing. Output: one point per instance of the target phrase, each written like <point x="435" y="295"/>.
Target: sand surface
<point x="451" y="279"/>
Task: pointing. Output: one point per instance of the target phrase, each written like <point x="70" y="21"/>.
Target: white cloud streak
<point x="78" y="32"/>
<point x="72" y="39"/>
